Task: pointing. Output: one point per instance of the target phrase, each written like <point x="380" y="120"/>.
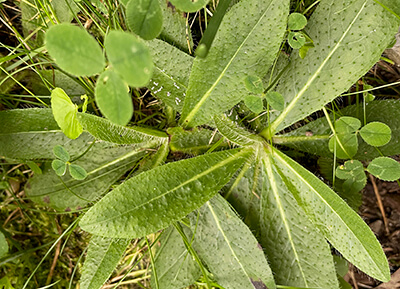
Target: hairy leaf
<point x="386" y="169"/>
<point x="144" y="18"/>
<point x="64" y="112"/>
<point x="174" y="265"/>
<point x="298" y="254"/>
<point x="104" y="164"/>
<point x="193" y="142"/>
<point x="175" y="31"/>
<point x="171" y="74"/>
<point x="113" y="98"/>
<point x="103" y="129"/>
<point x="3" y="245"/>
<point x="230" y="59"/>
<point x="228" y="247"/>
<point x="156" y="198"/>
<point x="343" y="228"/>
<point x="32" y="134"/>
<point x="82" y="56"/>
<point x="349" y="37"/>
<point x="129" y="57"/>
<point x="102" y="257"/>
<point x="234" y="133"/>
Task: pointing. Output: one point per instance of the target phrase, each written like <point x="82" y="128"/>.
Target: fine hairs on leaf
<point x="189" y="149"/>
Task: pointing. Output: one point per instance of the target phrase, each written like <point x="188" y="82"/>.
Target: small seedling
<point x="60" y="164"/>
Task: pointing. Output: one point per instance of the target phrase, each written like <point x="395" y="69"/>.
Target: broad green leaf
<point x="59" y="167"/>
<point x="254" y="103"/>
<point x="193" y="142"/>
<point x="347" y="124"/>
<point x="345" y="146"/>
<point x="174" y="265"/>
<point x="144" y="18"/>
<point x="254" y="84"/>
<point x="353" y="173"/>
<point x="175" y="31"/>
<point x="296" y="40"/>
<point x="129" y="57"/>
<point x="61" y="153"/>
<point x="275" y="100"/>
<point x="104" y="163"/>
<point x="3" y="245"/>
<point x="220" y="232"/>
<point x="189" y="5"/>
<point x="298" y="253"/>
<point x="154" y="199"/>
<point x="234" y="133"/>
<point x="384" y="168"/>
<point x="32" y="134"/>
<point x="113" y="98"/>
<point x="65" y="9"/>
<point x="102" y="257"/>
<point x="64" y="112"/>
<point x="77" y="172"/>
<point x="313" y="137"/>
<point x="335" y="63"/>
<point x="216" y="82"/>
<point x="74" y="50"/>
<point x="297" y="21"/>
<point x="105" y="130"/>
<point x="171" y="74"/>
<point x="340" y="225"/>
<point x="376" y="134"/>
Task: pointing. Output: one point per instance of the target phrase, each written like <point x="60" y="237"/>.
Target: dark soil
<point x="388" y="236"/>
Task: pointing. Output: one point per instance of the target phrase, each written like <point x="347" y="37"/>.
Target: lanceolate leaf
<point x="104" y="164"/>
<point x="102" y="258"/>
<point x="156" y="198"/>
<point x="175" y="31"/>
<point x="220" y="232"/>
<point x="343" y="228"/>
<point x="193" y="141"/>
<point x="171" y="74"/>
<point x="103" y="129"/>
<point x="174" y="265"/>
<point x="234" y="133"/>
<point x="349" y="37"/>
<point x="298" y="253"/>
<point x="313" y="137"/>
<point x="231" y="59"/>
<point x="33" y="133"/>
<point x="74" y="50"/>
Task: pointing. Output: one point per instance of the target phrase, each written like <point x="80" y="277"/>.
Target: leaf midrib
<point x="292" y="104"/>
<point x="222" y="163"/>
<point x="197" y="107"/>
<point x="323" y="200"/>
<point x="266" y="161"/>
<point x="215" y="217"/>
